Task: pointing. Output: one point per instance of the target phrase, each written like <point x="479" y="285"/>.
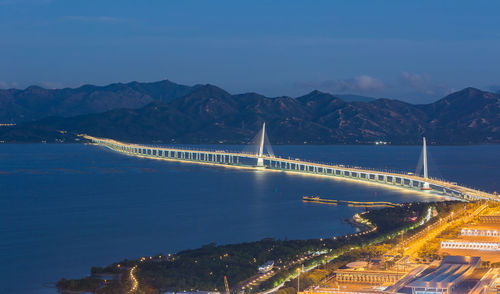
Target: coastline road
<point x="135" y="283"/>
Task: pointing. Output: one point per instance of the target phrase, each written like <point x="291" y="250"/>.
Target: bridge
<point x="260" y="160"/>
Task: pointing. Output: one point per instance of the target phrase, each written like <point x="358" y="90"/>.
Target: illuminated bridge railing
<point x="248" y="160"/>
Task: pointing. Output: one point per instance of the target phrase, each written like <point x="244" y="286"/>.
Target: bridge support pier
<point x="260" y="162"/>
<point x="426" y="186"/>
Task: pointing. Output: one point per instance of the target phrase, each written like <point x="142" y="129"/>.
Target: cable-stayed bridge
<point x="263" y="161"/>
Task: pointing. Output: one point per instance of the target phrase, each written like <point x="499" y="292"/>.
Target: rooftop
<point x="451" y="271"/>
<point x="483" y="226"/>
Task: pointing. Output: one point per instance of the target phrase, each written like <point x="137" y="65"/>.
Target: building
<point x="480" y="232"/>
<point x="471" y="245"/>
<point x="489" y="283"/>
<point x="481" y="240"/>
<point x="368" y="276"/>
<point x="451" y="271"/>
<point x="266" y="266"/>
<point x="342" y="291"/>
<point x="495" y="219"/>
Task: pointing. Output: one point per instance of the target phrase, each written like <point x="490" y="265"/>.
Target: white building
<point x="471" y="245"/>
<point x="480" y="232"/>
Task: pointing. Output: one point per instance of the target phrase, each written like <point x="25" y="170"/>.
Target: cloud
<point x="494" y="88"/>
<point x="95" y="19"/>
<point x="7" y="85"/>
<point x="14" y="2"/>
<point x="43" y="84"/>
<point x="422" y="83"/>
<point x="52" y="85"/>
<point x="359" y="84"/>
<point x="366" y="83"/>
<point x="406" y="86"/>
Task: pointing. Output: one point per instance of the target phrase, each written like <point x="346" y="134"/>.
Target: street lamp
<point x="298" y="279"/>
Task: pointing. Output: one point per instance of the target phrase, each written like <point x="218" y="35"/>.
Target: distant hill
<point x="355" y="98"/>
<point x="208" y="114"/>
<point x="35" y="102"/>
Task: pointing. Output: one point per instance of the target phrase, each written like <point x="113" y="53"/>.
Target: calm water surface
<point x="65" y="208"/>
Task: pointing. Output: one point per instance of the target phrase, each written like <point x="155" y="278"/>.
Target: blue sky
<point x="416" y="51"/>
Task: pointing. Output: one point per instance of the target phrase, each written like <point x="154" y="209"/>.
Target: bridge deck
<point x="400" y="180"/>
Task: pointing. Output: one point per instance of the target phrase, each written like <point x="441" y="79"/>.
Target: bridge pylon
<point x="425" y="185"/>
<point x="260" y="159"/>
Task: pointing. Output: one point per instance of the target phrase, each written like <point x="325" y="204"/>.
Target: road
<point x="485" y="281"/>
<point x="133" y="279"/>
<point x="420" y="239"/>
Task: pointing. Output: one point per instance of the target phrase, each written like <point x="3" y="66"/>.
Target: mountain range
<point x="165" y="112"/>
<point x="35" y="102"/>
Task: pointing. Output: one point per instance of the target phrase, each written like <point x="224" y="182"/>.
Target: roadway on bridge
<point x="442" y="187"/>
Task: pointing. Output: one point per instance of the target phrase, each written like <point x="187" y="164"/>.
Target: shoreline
<point x="359" y="225"/>
<point x="326" y="250"/>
